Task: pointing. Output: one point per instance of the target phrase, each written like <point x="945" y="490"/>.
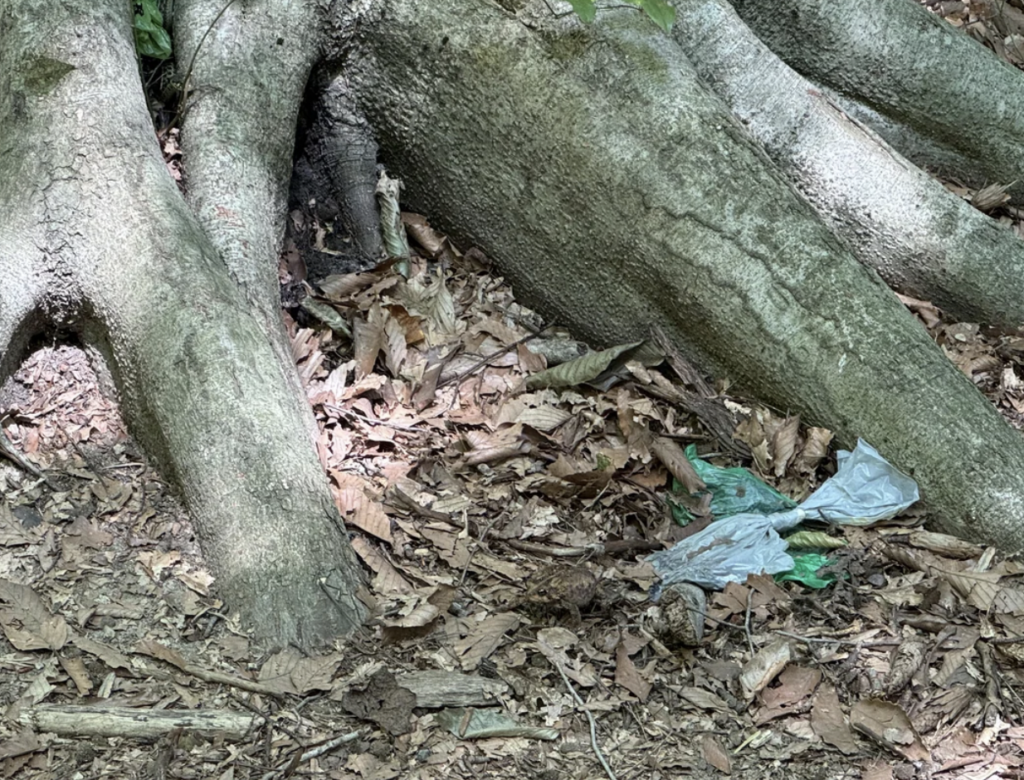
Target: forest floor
<point x="503" y="516"/>
<point x="504" y="524"/>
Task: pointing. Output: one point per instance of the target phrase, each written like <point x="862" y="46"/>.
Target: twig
<point x="312" y="753"/>
<point x="270" y="724"/>
<point x="624" y="545"/>
<point x="330" y="744"/>
<point x="7" y="450"/>
<point x="812" y="640"/>
<point x="219" y="678"/>
<point x="487" y="360"/>
<point x="479" y="542"/>
<point x="358" y="417"/>
<point x="590" y="718"/>
<point x="746" y="621"/>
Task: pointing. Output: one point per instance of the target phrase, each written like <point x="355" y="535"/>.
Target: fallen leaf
<point x="828" y="722"/>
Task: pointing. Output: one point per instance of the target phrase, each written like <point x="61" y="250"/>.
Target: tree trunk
<point x="897" y="219"/>
<point x="913" y="68"/>
<point x="592" y="162"/>
<point x="98" y="240"/>
<point x="617" y="193"/>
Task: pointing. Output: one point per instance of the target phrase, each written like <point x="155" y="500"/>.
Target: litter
<point x="865" y="490"/>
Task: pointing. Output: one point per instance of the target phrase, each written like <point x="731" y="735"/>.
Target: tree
<point x="592" y="162"/>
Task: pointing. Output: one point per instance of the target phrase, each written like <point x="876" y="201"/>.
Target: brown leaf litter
<point x="503" y="524"/>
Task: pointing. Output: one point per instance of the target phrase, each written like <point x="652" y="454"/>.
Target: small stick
<point x="590" y="718"/>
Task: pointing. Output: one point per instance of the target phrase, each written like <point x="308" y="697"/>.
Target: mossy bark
<point x="617" y="193"/>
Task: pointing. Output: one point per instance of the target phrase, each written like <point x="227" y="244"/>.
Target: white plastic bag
<point x="864" y="490"/>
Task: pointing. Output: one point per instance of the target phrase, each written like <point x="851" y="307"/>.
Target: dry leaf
<point x="828" y="722"/>
<point x="482" y="639"/>
<point x="627" y="676"/>
<point x="763" y="667"/>
<point x="27" y="623"/>
<point x="674" y="459"/>
<point x="161" y="652"/>
<point x="363" y="512"/>
<point x="715" y="754"/>
<point x="785" y="441"/>
<point x="888" y="725"/>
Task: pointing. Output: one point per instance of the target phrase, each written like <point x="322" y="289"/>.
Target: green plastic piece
<point x="805" y="571"/>
<point x="151" y="39"/>
<point x="733" y="491"/>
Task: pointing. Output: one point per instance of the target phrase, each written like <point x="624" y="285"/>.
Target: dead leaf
<point x="482" y="639"/>
<point x="785" y="440"/>
<point x="431" y="241"/>
<point x="368" y="340"/>
<point x="27" y="623"/>
<point x="715" y="754"/>
<point x="363" y="512"/>
<point x="828" y="722"/>
<point x="161" y="652"/>
<point x="816" y="441"/>
<point x="888" y="725"/>
<point x="111" y="657"/>
<point x="627" y="676"/>
<point x="388" y="579"/>
<point x="763" y="667"/>
<point x="77" y="672"/>
<point x="394" y="345"/>
<point x="25" y="741"/>
<point x="674" y="459"/>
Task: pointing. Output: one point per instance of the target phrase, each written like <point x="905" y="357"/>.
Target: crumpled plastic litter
<point x="736" y="490"/>
<point x="866" y="489"/>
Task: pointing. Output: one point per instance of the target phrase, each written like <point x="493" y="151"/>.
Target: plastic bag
<point x="864" y="490"/>
<point x="736" y="490"/>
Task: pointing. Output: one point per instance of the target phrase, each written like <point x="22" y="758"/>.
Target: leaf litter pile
<point x="503" y="486"/>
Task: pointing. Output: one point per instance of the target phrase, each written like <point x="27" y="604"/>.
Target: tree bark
<point x="99" y="241"/>
<point x="617" y="193"/>
<point x="613" y="188"/>
<point x="913" y="68"/>
<point x="924" y="241"/>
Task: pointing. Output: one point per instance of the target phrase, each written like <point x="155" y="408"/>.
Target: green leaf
<point x="151" y="39"/>
<point x="813" y="540"/>
<point x="582" y="369"/>
<point x="585" y="9"/>
<point x="328" y="315"/>
<point x="661" y="13"/>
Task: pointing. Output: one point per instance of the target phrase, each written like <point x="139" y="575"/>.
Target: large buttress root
<point x="198" y="374"/>
<point x="341" y="144"/>
<point x="923" y="240"/>
<point x="238" y="132"/>
<point x="914" y="68"/>
<point x="617" y="193"/>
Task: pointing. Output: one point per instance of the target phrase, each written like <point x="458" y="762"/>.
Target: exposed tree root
<point x="912" y="67"/>
<point x="923" y="240"/>
<point x="617" y="194"/>
<point x="116" y="255"/>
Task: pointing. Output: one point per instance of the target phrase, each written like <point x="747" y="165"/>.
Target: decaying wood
<point x="451" y="689"/>
<point x="88" y="721"/>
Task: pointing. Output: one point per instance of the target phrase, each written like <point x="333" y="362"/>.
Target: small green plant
<point x="659" y="11"/>
<point x="151" y="39"/>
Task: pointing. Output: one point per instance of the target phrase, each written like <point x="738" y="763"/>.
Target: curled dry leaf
<point x="763" y="667"/>
<point x="785" y="441"/>
<point x="888" y="725"/>
<point x="828" y="722"/>
<point x="27" y="623"/>
<point x="674" y="459"/>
